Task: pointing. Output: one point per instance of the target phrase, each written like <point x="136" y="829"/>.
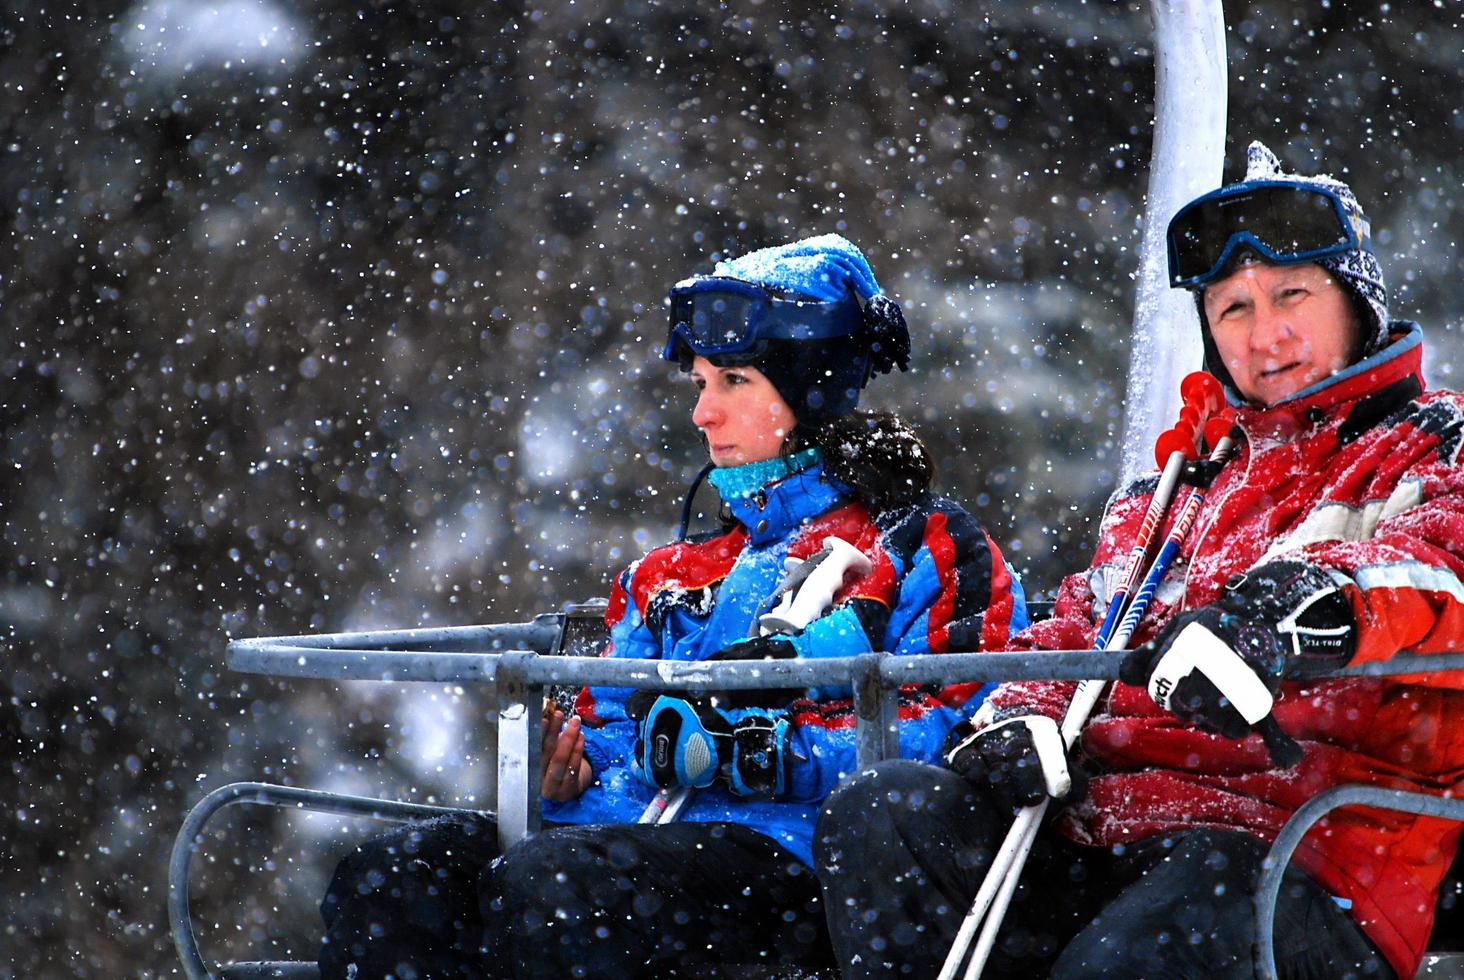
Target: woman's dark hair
<point x="876" y="454"/>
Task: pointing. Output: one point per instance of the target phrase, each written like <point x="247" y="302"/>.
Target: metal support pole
<point x="1187" y="161"/>
<point x="519" y="703"/>
<point x="876" y="711"/>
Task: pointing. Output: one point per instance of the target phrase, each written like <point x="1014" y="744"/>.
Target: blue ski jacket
<point x="938" y="583"/>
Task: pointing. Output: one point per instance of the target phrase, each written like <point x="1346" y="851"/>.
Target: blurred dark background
<point x="328" y="316"/>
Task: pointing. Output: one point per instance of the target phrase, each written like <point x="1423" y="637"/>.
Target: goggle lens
<point x="723" y="316"/>
<point x="1283" y="223"/>
<point x="714" y="323"/>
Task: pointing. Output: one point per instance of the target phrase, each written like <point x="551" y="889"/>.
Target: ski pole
<point x="1019" y="837"/>
<point x="1024" y="828"/>
<point x="1026" y="821"/>
<point x="1203" y="399"/>
<point x="666" y="805"/>
<point x="1086" y="698"/>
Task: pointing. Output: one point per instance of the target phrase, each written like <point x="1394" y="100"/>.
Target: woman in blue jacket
<point x="779" y="344"/>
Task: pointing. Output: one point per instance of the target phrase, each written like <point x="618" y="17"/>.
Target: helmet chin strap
<point x="690" y="497"/>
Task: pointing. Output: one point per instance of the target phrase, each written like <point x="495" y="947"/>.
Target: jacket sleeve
<point x="953" y="590"/>
<point x="1070" y="627"/>
<point x="1081" y="601"/>
<point x="1406" y="579"/>
<point x="609" y="732"/>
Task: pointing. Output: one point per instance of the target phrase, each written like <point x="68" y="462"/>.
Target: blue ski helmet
<point x="809" y="315"/>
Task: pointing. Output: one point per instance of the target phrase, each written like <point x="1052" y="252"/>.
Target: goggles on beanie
<point x="715" y="316"/>
<point x="1282" y="221"/>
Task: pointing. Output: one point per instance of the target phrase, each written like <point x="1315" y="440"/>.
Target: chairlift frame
<point x="521" y="662"/>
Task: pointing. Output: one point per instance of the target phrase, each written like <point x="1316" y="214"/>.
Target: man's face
<point x="1279" y="328"/>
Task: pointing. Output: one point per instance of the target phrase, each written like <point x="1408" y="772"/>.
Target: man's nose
<point x="1271" y="329"/>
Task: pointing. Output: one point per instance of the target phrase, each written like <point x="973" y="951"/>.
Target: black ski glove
<point x="771" y="647"/>
<point x="1219" y="667"/>
<point x="762" y="756"/>
<point x="1020" y="761"/>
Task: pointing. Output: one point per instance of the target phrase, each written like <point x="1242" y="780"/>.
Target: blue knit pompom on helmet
<point x="809" y="315"/>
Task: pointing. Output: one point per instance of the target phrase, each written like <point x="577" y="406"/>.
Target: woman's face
<point x="742" y="415"/>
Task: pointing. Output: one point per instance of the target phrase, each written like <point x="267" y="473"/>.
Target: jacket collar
<point x="1399" y="364"/>
<point x="780" y="507"/>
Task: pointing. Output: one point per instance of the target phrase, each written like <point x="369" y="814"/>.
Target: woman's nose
<point x="707" y="413"/>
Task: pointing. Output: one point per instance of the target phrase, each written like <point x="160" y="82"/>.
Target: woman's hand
<point x="567" y="773"/>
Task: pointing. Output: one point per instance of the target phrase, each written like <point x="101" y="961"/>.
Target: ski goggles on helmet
<point x="714" y="316"/>
<point x="1282" y="222"/>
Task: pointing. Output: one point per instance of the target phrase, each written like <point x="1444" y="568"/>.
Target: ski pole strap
<point x="1201" y="472"/>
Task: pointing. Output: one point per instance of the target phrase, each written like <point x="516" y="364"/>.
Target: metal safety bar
<point x="519" y="678"/>
<point x="515" y="660"/>
<point x="1269" y="886"/>
<point x="186" y="843"/>
<point x="519" y="675"/>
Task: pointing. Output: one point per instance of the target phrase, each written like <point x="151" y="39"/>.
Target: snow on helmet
<point x="809" y="315"/>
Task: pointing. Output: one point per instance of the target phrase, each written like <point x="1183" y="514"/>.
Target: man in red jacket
<point x="1333" y="535"/>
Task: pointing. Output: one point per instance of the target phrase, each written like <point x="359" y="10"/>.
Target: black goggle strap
<point x="686" y="505"/>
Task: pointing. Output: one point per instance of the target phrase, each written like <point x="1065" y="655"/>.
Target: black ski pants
<point x="902" y="849"/>
<point x="435" y="899"/>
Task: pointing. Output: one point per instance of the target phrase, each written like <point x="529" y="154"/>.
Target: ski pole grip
<point x="1203" y="391"/>
<point x="1180" y="439"/>
<point x="1218" y="427"/>
<point x="1204" y="400"/>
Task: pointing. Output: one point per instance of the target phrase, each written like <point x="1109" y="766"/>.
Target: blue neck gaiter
<point x="739" y="482"/>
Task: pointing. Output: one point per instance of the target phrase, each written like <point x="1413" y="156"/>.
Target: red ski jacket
<point x="1358" y="474"/>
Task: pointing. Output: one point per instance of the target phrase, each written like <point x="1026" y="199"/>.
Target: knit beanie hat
<point x="822" y="379"/>
<point x="1356" y="270"/>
